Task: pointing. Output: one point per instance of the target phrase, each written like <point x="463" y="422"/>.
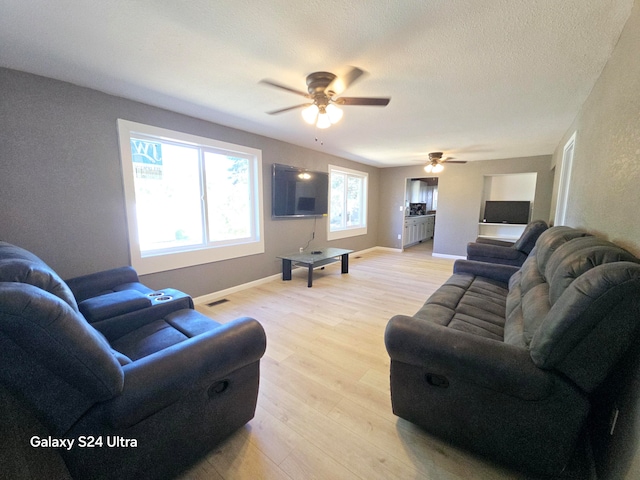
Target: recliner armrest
<point x="494" y="271"/>
<point x="169" y="301"/>
<point x="455" y="354"/>
<point x="94" y="284"/>
<point x="113" y="304"/>
<point x="494" y="241"/>
<point x="159" y="380"/>
<point x="492" y="251"/>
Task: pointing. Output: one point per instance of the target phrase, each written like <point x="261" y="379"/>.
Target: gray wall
<point x="460" y="190"/>
<point x="604" y="197"/>
<point x="61" y="187"/>
<point x="604" y="192"/>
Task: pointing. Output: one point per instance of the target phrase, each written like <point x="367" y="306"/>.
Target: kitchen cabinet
<point x="418" y="229"/>
<point x="423" y="191"/>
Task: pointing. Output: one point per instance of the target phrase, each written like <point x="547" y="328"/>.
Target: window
<point x="189" y="200"/>
<point x="348" y="203"/>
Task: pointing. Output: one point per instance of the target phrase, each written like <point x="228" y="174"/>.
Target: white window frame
<point x="189" y="256"/>
<point x="352" y="231"/>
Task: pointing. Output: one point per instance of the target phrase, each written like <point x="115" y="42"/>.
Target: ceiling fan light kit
<point x="310" y="114"/>
<point x="322" y="89"/>
<point x="321" y="116"/>
<point x="436" y="161"/>
<point x="430" y="168"/>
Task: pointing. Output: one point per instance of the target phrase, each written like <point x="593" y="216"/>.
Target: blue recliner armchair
<point x="153" y="392"/>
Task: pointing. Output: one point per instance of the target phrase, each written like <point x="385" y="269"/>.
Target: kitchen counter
<point x="418" y="228"/>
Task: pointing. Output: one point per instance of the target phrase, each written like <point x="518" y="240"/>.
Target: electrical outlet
<point x="401" y="208"/>
<point x="399" y="237"/>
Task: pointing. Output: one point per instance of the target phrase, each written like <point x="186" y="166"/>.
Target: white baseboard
<point x="387" y="249"/>
<point x="444" y="255"/>
<point x="212" y="297"/>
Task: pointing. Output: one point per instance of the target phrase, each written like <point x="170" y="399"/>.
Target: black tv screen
<point x="298" y="192"/>
<point x="506" y="211"/>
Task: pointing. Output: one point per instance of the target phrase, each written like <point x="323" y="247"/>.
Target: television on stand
<point x="298" y="192"/>
<point x="507" y="211"/>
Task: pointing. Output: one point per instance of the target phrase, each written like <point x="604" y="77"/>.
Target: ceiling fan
<point x="436" y="161"/>
<point x="323" y="89"/>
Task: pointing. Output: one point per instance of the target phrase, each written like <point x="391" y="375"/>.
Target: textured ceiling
<point x="479" y="79"/>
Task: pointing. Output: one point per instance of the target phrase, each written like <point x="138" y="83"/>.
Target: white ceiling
<point x="479" y="79"/>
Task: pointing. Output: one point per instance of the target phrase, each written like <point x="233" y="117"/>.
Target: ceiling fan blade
<point x="284" y="87"/>
<point x="454" y="161"/>
<point x="380" y="102"/>
<point x="282" y="110"/>
<point x="341" y="83"/>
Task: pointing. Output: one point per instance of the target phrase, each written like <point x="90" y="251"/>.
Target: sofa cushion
<point x="568" y="248"/>
<point x="591" y="324"/>
<point x="579" y="261"/>
<point x="150" y="338"/>
<point x="33" y="271"/>
<point x="176" y="327"/>
<point x="535" y="306"/>
<point x="514" y="318"/>
<point x="552" y="239"/>
<point x="470" y="304"/>
<point x="530" y="284"/>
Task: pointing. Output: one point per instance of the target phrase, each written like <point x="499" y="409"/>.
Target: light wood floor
<point x="324" y="410"/>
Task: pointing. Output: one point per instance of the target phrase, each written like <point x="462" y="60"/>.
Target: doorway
<point x="565" y="180"/>
<point x="421" y="203"/>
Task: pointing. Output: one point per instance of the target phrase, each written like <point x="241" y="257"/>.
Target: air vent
<point x="217" y="302"/>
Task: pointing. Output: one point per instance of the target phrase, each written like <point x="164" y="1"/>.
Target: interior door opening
<point x="421" y="204"/>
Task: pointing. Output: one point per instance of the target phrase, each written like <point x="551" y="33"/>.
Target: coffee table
<point x="313" y="259"/>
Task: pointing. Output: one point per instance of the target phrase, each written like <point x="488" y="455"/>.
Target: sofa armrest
<point x="493" y="241"/>
<point x="161" y="379"/>
<point x="494" y="271"/>
<point x="459" y="355"/>
<point x="492" y="251"/>
<point x="94" y="284"/>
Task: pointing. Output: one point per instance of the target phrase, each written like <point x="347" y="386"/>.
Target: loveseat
<point x="504" y="360"/>
<point x="140" y="397"/>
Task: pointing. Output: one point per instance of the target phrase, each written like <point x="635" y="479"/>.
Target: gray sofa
<point x="503" y="360"/>
<point x="507" y="253"/>
<point x="168" y="378"/>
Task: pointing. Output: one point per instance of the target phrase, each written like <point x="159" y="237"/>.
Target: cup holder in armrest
<point x="159" y="296"/>
<point x="163" y="298"/>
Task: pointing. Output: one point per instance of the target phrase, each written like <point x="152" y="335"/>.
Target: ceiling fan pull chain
<point x="319" y="139"/>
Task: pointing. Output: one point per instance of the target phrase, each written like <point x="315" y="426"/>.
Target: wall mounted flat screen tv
<point x="506" y="211"/>
<point x="298" y="192"/>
